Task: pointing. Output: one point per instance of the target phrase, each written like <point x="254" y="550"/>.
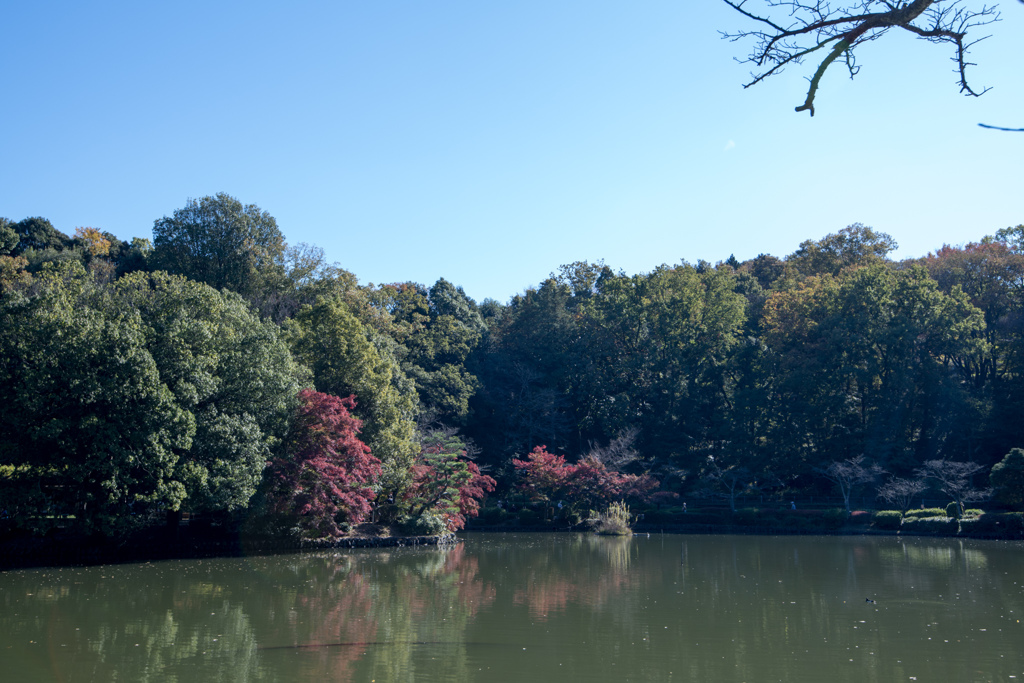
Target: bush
<point x="887" y="520"/>
<point x="614" y="521"/>
<point x="664" y="498"/>
<point x="931" y="525"/>
<point x="529" y="517"/>
<point x="835" y="518"/>
<point x="427" y="524"/>
<point x="926" y="512"/>
<point x="704" y="518"/>
<point x="1007" y="478"/>
<point x="1005" y="523"/>
<point x="494" y="515"/>
<point x="953" y="510"/>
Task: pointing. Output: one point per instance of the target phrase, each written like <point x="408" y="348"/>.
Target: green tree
<point x="223" y="243"/>
<point x="1007" y="479"/>
<point x="38" y="234"/>
<point x="434" y="332"/>
<point x="89" y="429"/>
<point x="231" y="371"/>
<point x="156" y="391"/>
<point x="336" y="347"/>
<point x="8" y="237"/>
<point x="861" y="365"/>
<point x="854" y="246"/>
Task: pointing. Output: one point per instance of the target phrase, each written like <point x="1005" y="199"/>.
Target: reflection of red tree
<point x="332" y="619"/>
<point x="456" y="585"/>
<point x="546" y="596"/>
<point x="550" y="593"/>
<point x="473" y="593"/>
<point x="343" y="619"/>
<point x="336" y="614"/>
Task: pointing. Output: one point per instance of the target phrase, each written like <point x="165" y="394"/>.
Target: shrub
<point x="614" y="521"/>
<point x="749" y="517"/>
<point x="926" y="512"/>
<point x="860" y="517"/>
<point x="834" y="518"/>
<point x="664" y="498"/>
<point x="427" y="524"/>
<point x="887" y="520"/>
<point x="492" y="516"/>
<point x="953" y="510"/>
<point x="1007" y="478"/>
<point x="1006" y="523"/>
<point x="931" y="525"/>
<point x="529" y="517"/>
<point x="797" y="522"/>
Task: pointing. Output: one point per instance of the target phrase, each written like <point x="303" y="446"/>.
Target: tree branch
<point x="813" y="24"/>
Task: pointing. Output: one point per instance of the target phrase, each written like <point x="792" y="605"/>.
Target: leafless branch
<point x="811" y="25"/>
<point x="619" y="452"/>
<point x="1011" y="130"/>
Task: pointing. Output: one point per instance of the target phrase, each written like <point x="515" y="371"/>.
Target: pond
<point x="534" y="607"/>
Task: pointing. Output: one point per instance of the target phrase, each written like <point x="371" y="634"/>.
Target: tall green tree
<point x="329" y="339"/>
<point x="862" y="365"/>
<point x="221" y="242"/>
<point x="228" y="369"/>
<point x="856" y="245"/>
<point x="88" y="428"/>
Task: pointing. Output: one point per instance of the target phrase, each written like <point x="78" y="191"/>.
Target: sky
<point x="489" y="143"/>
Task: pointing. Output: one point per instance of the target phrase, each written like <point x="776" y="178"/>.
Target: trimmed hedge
<point x="1000" y="524"/>
<point x="927" y="512"/>
<point x="886" y="520"/>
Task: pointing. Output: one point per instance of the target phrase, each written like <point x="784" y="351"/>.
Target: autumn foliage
<point x="447" y="484"/>
<point x="326" y="476"/>
<point x="588" y="483"/>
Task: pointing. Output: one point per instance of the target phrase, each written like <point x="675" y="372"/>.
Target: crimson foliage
<point x="588" y="483"/>
<point x="447" y="484"/>
<point x="326" y="475"/>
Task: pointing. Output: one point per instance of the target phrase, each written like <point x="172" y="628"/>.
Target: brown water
<point x="534" y="607"/>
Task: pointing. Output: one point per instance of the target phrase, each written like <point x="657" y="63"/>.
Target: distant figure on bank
<point x="792" y="505"/>
<point x="684" y="506"/>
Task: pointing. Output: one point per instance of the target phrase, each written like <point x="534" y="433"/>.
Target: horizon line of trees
<point x="217" y="369"/>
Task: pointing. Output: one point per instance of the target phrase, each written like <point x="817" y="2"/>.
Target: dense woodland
<point x="217" y="370"/>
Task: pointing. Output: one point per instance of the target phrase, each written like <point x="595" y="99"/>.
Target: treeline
<point x="219" y="369"/>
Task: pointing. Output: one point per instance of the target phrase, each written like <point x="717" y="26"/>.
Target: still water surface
<point x="534" y="607"/>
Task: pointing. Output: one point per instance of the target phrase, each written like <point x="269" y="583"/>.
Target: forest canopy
<point x="219" y="371"/>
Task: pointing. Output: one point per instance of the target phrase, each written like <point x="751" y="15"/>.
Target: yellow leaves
<point x="95" y="242"/>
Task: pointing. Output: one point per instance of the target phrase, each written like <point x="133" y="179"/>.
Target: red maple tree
<point x="326" y="474"/>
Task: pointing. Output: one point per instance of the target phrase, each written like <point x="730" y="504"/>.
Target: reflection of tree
<point x="87" y="626"/>
<point x="552" y="583"/>
<point x="725" y="608"/>
<point x="321" y="616"/>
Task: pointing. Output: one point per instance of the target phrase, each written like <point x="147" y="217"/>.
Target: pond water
<point x="534" y="607"/>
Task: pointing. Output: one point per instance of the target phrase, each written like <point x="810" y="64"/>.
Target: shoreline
<point x="35" y="553"/>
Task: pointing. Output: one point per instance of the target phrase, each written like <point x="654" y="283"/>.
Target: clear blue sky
<point x="488" y="142"/>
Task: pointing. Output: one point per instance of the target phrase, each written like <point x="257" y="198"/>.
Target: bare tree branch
<point x="813" y="24"/>
<point x="1011" y="130"/>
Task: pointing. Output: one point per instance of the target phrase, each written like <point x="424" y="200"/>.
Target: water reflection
<point x="547" y="607"/>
